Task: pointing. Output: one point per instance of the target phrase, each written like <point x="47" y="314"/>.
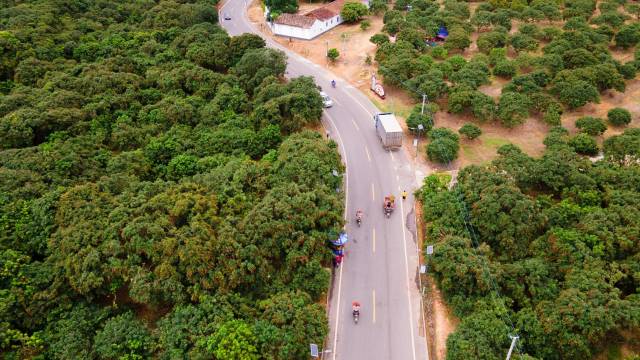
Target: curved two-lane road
<point x="380" y="266"/>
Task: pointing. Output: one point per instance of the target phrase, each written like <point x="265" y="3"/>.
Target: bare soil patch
<point x="351" y="41"/>
<point x="443" y="321"/>
<point x="630" y="100"/>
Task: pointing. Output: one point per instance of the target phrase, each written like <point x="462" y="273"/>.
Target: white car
<point x="326" y="100"/>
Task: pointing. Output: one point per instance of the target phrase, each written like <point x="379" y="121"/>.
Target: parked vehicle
<point x="326" y="100"/>
<point x="388" y="130"/>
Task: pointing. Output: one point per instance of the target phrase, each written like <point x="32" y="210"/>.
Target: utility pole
<point x="424" y="99"/>
<point x="513" y="345"/>
<point x="326" y="54"/>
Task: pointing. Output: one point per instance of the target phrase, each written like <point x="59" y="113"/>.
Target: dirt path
<point x="444" y="323"/>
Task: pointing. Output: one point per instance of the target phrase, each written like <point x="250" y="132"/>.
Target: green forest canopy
<point x="545" y="248"/>
<point x="159" y="195"/>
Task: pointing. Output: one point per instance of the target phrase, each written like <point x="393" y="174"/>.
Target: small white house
<point x="309" y="25"/>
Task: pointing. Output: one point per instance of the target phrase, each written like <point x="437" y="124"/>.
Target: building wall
<point x="292" y="31"/>
<point x="318" y="28"/>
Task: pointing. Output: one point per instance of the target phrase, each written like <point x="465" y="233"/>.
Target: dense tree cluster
<point x="159" y="196"/>
<point x="543" y="247"/>
<point x="277" y="7"/>
<point x="353" y="11"/>
<point x="444" y="145"/>
<point x="572" y="69"/>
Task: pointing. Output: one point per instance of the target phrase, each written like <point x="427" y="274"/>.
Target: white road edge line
<point x="406" y="269"/>
<point x="366" y="149"/>
<point x="373" y="192"/>
<point x="346" y="196"/>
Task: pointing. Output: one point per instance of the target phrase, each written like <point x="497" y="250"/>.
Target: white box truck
<point x="388" y="130"/>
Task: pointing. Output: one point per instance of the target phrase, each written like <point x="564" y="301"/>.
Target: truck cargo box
<point x="388" y="130"/>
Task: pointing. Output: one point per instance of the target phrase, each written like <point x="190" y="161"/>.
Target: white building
<point x="309" y="25"/>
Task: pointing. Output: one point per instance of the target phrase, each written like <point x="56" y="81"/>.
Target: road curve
<point x="380" y="266"/>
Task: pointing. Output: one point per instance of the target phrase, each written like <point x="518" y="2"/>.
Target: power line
<point x="407" y="86"/>
<point x="466" y="217"/>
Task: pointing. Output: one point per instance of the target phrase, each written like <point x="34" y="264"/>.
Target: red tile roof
<point x="306" y="21"/>
<point x="335" y="6"/>
<point x="321" y="14"/>
<point x="295" y="20"/>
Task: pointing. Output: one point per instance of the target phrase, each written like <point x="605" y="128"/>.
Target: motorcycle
<point x="356" y="311"/>
<point x="359" y="218"/>
<point x="388" y="205"/>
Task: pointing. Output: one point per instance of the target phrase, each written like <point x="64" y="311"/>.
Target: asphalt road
<point x="380" y="268"/>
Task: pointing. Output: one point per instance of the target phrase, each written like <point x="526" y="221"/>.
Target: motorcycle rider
<point x="333" y="83"/>
<point x="359" y="215"/>
<point x="356" y="308"/>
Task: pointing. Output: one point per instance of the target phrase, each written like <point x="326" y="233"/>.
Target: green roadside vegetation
<point x="543" y="248"/>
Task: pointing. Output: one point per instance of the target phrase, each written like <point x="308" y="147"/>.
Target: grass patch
<point x="392" y="106"/>
<point x="614" y="352"/>
<point x="494" y="142"/>
<point x="469" y="153"/>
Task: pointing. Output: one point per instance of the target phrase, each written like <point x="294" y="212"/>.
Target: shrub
<point x="591" y="125"/>
<point x="496" y="55"/>
<point x="628" y="36"/>
<point x="491" y="40"/>
<point x="457" y="62"/>
<point x="513" y="109"/>
<point x="442" y="150"/>
<point x="550" y="33"/>
<point x="522" y="42"/>
<point x="557" y="136"/>
<point x="619" y="117"/>
<point x="379" y="39"/>
<point x="439" y="52"/>
<point x="333" y="54"/>
<point x="552" y="116"/>
<point x="365" y="24"/>
<point x="505" y="69"/>
<point x="584" y="144"/>
<point x="416" y="118"/>
<point x="470" y="131"/>
<point x="441" y="133"/>
<point x="353" y="11"/>
<point x="627" y="70"/>
<point x="576" y="93"/>
<point x="458" y="39"/>
<point x="378" y="7"/>
<point x="529" y="29"/>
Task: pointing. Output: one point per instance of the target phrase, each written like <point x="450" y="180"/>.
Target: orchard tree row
<point x="558" y="58"/>
<point x="159" y="196"/>
<point x="546" y="248"/>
